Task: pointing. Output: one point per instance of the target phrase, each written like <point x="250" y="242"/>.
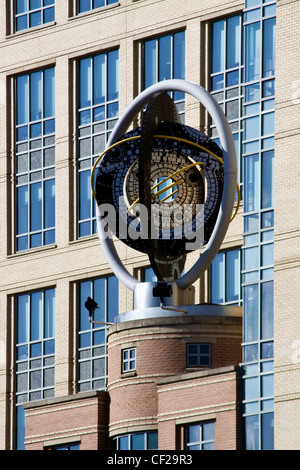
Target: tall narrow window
<point x="30" y="13"/>
<point x="35" y="159"/>
<point x="35" y="347"/>
<point x="164" y="58"/>
<point x="225" y="278"/>
<point x="98" y="110"/>
<point x="92" y="352"/>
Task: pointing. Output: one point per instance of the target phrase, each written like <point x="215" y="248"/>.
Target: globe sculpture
<point x="164" y="188"/>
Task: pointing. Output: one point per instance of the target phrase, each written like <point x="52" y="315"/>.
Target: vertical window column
<point x="98" y="110"/>
<point x="35" y="159"/>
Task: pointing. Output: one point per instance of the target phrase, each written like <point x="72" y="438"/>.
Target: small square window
<point x="128" y="359"/>
<point x="198" y="355"/>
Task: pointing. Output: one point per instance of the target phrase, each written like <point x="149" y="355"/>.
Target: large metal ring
<point x="230" y="172"/>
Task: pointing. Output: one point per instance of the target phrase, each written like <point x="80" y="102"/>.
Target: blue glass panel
<point x="232" y="275"/>
<point x="35" y="240"/>
<point x="218" y="49"/>
<point x="98" y="3"/>
<point x="22" y="243"/>
<point x="268" y="123"/>
<point x="85" y="83"/>
<point x="99" y="78"/>
<point x="124" y="443"/>
<point x="165" y="59"/>
<point x="22" y="209"/>
<point x="23" y="318"/>
<point x="99" y="337"/>
<point x="232" y="78"/>
<point x="22" y="99"/>
<point x="217" y="279"/>
<point x="21" y="6"/>
<point x="251" y="312"/>
<point x="252" y="3"/>
<point x="36" y="96"/>
<point x="233" y="42"/>
<point x="138" y="441"/>
<point x="251" y="353"/>
<point x="99" y="295"/>
<point x="194" y="433"/>
<point x="113" y="75"/>
<point x="152" y="440"/>
<point x="267" y="350"/>
<point x="85" y="117"/>
<point x="269" y="47"/>
<point x="48" y="15"/>
<point x="217" y="82"/>
<point x="150" y="59"/>
<point x="49" y="237"/>
<point x="208" y="431"/>
<point x="84" y="5"/>
<point x="267" y="254"/>
<point x="85" y="340"/>
<point x="36" y="350"/>
<point x="49" y="126"/>
<point x="49" y="313"/>
<point x="36" y="197"/>
<point x="49" y="347"/>
<point x="36" y="317"/>
<point x="251" y="388"/>
<point x="251" y="128"/>
<point x="252" y="92"/>
<point x="21" y="23"/>
<point x="22" y="133"/>
<point x="267" y="385"/>
<point x="149" y="275"/>
<point x="268" y="88"/>
<point x="20" y="428"/>
<point x="49" y="92"/>
<point x="85" y="195"/>
<point x="85" y="292"/>
<point x="22" y="352"/>
<point x="35" y="19"/>
<point x="179" y="60"/>
<point x="268" y="431"/>
<point x="267" y="219"/>
<point x="112" y="110"/>
<point x="34" y="4"/>
<point x="252" y="52"/>
<point x="35" y="130"/>
<point x="49" y="203"/>
<point x="251" y="258"/>
<point x="99" y="113"/>
<point x="267" y="310"/>
<point x="84" y="229"/>
<point x="251" y="183"/>
<point x="48" y="2"/>
<point x="113" y="298"/>
<point x="251" y="433"/>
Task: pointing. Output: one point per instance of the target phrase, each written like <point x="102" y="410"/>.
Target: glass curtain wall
<point x="98" y="110"/>
<point x="163" y="59"/>
<point x="35" y="159"/>
<point x="253" y="61"/>
<point x="92" y="347"/>
<point x="35" y="349"/>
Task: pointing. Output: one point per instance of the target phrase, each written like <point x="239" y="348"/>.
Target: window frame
<point x="130" y="361"/>
<point x="28" y="12"/>
<point x="198" y="355"/>
<point x="201" y="442"/>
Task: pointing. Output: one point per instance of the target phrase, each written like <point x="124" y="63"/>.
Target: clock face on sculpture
<point x="164" y="182"/>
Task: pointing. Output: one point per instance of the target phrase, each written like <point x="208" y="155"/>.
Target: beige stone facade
<point x="125" y="25"/>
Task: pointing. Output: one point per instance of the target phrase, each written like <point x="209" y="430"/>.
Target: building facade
<point x="68" y="71"/>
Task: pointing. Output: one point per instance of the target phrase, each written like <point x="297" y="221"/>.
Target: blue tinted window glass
<point x="84" y="5"/>
<point x="36" y="198"/>
<point x="22" y="99"/>
<point x="99" y="78"/>
<point x="233" y="42"/>
<point x="124" y="443"/>
<point x="218" y="47"/>
<point x="21" y="23"/>
<point x="208" y="431"/>
<point x="20" y="427"/>
<point x="165" y="62"/>
<point x="251" y="183"/>
<point x="23" y="318"/>
<point x="217" y="279"/>
<point x="268" y="123"/>
<point x="85" y="292"/>
<point x="35" y="19"/>
<point x="267" y="309"/>
<point x="113" y="298"/>
<point x="251" y="310"/>
<point x="85" y="195"/>
<point x="85" y="83"/>
<point x="150" y="63"/>
<point x="48" y="15"/>
<point x="138" y="441"/>
<point x="152" y="440"/>
<point x="49" y="321"/>
<point x="98" y="3"/>
<point x="232" y="275"/>
<point x="252" y="52"/>
<point x="49" y="93"/>
<point x="99" y="337"/>
<point x="99" y="295"/>
<point x="34" y="4"/>
<point x="22" y="209"/>
<point x="35" y="96"/>
<point x="269" y="47"/>
<point x="49" y="203"/>
<point x="267" y="179"/>
<point x="21" y="6"/>
<point x="113" y="75"/>
<point x="268" y="431"/>
<point x="36" y="319"/>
